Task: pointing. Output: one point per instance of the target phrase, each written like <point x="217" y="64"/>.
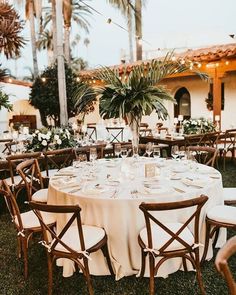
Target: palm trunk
<point x="54" y="30"/>
<point x="61" y="66"/>
<point x="67" y="44"/>
<point x="130" y="31"/>
<point x="134" y="124"/>
<point x="33" y="39"/>
<point x="138" y="28"/>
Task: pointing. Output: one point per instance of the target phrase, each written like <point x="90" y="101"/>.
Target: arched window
<point x="183" y="106"/>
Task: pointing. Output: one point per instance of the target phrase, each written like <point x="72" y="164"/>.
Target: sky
<point x="166" y="24"/>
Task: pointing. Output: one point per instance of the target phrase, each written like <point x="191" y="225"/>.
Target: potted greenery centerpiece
<point x="133" y="94"/>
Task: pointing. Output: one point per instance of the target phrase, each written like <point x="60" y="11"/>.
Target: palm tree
<point x="138" y="29"/>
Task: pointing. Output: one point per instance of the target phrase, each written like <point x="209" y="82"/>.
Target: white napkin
<point x="62" y="184"/>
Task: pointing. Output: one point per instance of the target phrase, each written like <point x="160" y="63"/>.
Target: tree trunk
<point x="134" y="124"/>
<point x="67" y="44"/>
<point x="54" y="30"/>
<point x="33" y="39"/>
<point x="61" y="66"/>
<point x="138" y="29"/>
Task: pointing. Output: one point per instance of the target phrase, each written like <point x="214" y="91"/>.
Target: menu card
<point x="150" y="170"/>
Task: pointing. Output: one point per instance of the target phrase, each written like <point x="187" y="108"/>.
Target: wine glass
<point x="175" y="152"/>
<point x="149" y="148"/>
<point x="117" y="149"/>
<point x="124" y="153"/>
<point x="92" y="154"/>
<point x="156" y="152"/>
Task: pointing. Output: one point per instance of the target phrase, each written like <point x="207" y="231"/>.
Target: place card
<point x="150" y="170"/>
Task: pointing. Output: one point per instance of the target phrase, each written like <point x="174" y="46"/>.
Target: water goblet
<point x="175" y="151"/>
<point x="149" y="148"/>
<point x="117" y="149"/>
<point x="124" y="153"/>
<point x="156" y="152"/>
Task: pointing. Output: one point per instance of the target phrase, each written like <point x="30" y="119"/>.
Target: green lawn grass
<point x="12" y="280"/>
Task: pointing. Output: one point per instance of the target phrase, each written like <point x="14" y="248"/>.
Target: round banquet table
<point x="110" y="192"/>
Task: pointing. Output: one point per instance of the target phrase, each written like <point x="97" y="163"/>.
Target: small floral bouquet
<point x="50" y="139"/>
<point x="198" y="126"/>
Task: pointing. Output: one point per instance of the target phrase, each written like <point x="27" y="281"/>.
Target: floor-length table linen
<point x="117" y="209"/>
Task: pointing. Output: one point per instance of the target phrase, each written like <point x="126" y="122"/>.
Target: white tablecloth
<point x="104" y="194"/>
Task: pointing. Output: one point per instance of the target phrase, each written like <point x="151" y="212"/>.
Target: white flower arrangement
<point x="198" y="126"/>
<point x="45" y="139"/>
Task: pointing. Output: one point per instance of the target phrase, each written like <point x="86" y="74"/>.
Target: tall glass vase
<point x="134" y="124"/>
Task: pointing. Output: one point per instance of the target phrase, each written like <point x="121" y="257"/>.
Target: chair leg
<point x="216" y="237"/>
<point x="184" y="264"/>
<point x="19" y="247"/>
<point x="25" y="254"/>
<point x="88" y="277"/>
<point x="151" y="280"/>
<point x="50" y="274"/>
<point x="207" y="238"/>
<point x="198" y="272"/>
<point x="143" y="260"/>
<point x="108" y="259"/>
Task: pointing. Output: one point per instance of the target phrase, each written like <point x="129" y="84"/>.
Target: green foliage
<point x="136" y="93"/>
<point x="49" y="139"/>
<point x="45" y="96"/>
<point x="198" y="126"/>
<point x="4" y="101"/>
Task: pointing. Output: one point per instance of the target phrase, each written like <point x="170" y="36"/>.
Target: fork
<point x="134" y="194"/>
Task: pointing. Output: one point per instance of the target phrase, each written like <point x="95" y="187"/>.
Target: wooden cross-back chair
<point x="222" y="266"/>
<point x="15" y="181"/>
<point x="210" y="139"/>
<point x="92" y="132"/>
<point x="30" y="172"/>
<point x="166" y="240"/>
<point x="75" y="241"/>
<point x="204" y="154"/>
<point x="228" y="145"/>
<point x="57" y="159"/>
<point x="192" y="139"/>
<point x="26" y="224"/>
<point x="117" y="133"/>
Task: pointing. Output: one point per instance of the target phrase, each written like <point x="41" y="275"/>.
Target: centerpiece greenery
<point x="50" y="139"/>
<point x="134" y="93"/>
<point x="198" y="126"/>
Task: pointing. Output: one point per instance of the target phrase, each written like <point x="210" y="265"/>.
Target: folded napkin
<point x="200" y="183"/>
<point x="62" y="184"/>
<point x="157" y="190"/>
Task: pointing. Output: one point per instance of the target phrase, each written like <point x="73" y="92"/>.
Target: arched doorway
<point x="183" y="106"/>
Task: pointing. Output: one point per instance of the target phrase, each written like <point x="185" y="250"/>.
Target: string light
<point x="10" y="80"/>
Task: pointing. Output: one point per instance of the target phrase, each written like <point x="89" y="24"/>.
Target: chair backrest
<point x="75" y="219"/>
<point x="14" y="160"/>
<point x="210" y="138"/>
<point x="230" y="139"/>
<point x="92" y="132"/>
<point x="58" y="159"/>
<point x="189" y="219"/>
<point x="222" y="266"/>
<point x="192" y="139"/>
<point x="117" y="133"/>
<point x="30" y="172"/>
<point x="12" y="206"/>
<point x="204" y="154"/>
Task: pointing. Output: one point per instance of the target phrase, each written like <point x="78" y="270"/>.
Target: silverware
<point x="179" y="190"/>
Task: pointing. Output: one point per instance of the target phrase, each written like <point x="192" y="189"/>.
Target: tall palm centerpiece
<point x="135" y="94"/>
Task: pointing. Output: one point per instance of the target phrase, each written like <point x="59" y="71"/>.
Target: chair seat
<point x="41" y="195"/>
<point x="30" y="220"/>
<point x="17" y="180"/>
<point x="51" y="172"/>
<point x="221" y="213"/>
<point x="160" y="237"/>
<point x="92" y="235"/>
<point x="229" y="193"/>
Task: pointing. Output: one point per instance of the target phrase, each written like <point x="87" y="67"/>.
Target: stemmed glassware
<point x="149" y="148"/>
<point x="92" y="154"/>
<point x="124" y="153"/>
<point x="156" y="152"/>
<point x="175" y="152"/>
<point x="117" y="149"/>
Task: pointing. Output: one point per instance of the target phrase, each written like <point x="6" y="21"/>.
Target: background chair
<point x="228" y="145"/>
<point x="166" y="240"/>
<point x="75" y="241"/>
<point x="204" y="154"/>
<point x="222" y="266"/>
<point x="26" y="223"/>
<point x="30" y="172"/>
<point x="217" y="217"/>
<point x="56" y="160"/>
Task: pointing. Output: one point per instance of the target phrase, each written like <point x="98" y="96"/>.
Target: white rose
<point x="43" y="136"/>
<point x="194" y="123"/>
<point x="206" y="124"/>
<point x="49" y="133"/>
<point x="47" y="136"/>
<point x="36" y="131"/>
<point x="59" y="141"/>
<point x="44" y="142"/>
<point x="39" y="136"/>
<point x="56" y="136"/>
<point x="34" y="135"/>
